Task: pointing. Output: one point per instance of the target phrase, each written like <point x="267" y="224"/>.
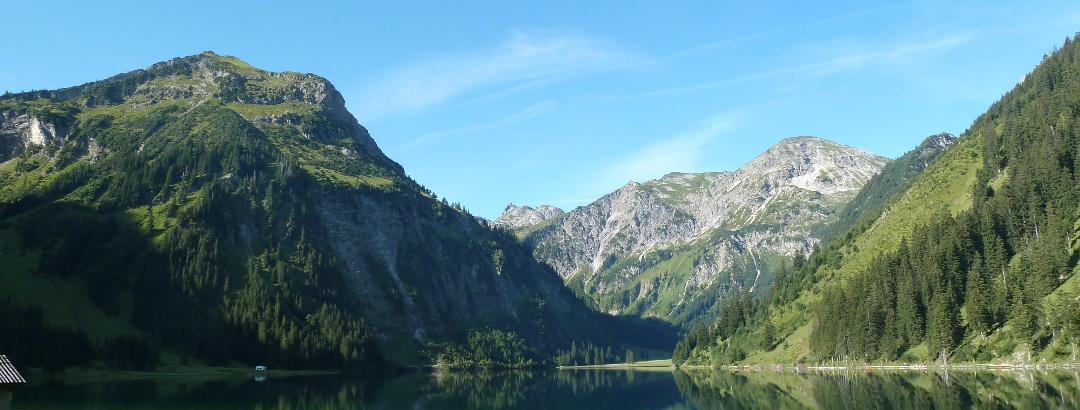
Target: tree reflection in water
<point x="572" y="389"/>
<point x="882" y="390"/>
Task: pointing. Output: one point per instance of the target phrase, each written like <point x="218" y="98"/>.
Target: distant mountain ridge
<point x="671" y="247"/>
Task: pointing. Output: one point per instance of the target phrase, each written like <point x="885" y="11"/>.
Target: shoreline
<point x="645" y="365"/>
<point x="658" y="365"/>
<point x="89" y="375"/>
<point x="894" y="367"/>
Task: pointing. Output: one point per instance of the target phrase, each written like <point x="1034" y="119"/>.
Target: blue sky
<point x="551" y="102"/>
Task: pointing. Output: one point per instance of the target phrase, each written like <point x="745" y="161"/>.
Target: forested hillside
<point x="974" y="262"/>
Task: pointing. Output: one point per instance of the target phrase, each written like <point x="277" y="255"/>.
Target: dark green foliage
<point x="1064" y="319"/>
<point x="731" y="337"/>
<point x="26" y="337"/>
<point x="585" y="353"/>
<point x="130" y="353"/>
<point x="904" y="299"/>
<point x="487" y="349"/>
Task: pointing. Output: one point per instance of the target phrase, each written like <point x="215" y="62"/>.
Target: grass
<point x="524" y="233"/>
<point x="326" y="162"/>
<point x="947" y="183"/>
<point x="797" y="350"/>
<point x="250" y="111"/>
<point x="240" y="65"/>
<point x="676" y="185"/>
<point x="646" y="365"/>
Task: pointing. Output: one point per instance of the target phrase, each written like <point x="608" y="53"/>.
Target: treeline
<point x="977" y="285"/>
<point x="730" y="338"/>
<point x="585" y="353"/>
<point x="486" y="349"/>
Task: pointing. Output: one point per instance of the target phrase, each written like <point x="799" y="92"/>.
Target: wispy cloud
<point x="527" y="114"/>
<point x="525" y="60"/>
<point x="879" y="54"/>
<point x="681" y="153"/>
<point x="869" y="54"/>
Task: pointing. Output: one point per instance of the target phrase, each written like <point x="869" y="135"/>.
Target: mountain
<point x="517" y="217"/>
<point x="974" y="261"/>
<point x="670" y="248"/>
<point x="225" y="213"/>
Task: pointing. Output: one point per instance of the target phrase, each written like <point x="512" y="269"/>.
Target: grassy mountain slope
<point x="970" y="263"/>
<point x="895" y="178"/>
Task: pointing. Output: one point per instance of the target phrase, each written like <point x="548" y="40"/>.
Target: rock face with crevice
<point x="672" y="247"/>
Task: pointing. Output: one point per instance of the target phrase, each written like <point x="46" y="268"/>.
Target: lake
<point x="580" y="389"/>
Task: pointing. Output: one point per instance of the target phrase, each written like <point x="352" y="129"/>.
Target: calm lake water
<point x="581" y="389"/>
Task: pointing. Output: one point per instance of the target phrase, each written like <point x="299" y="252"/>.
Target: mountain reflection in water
<point x="579" y="389"/>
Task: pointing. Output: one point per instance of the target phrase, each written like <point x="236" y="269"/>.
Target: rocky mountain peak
<point x="515" y="217"/>
<point x="308" y="102"/>
<point x="939" y="141"/>
<point x="655" y="246"/>
<point x="815" y="164"/>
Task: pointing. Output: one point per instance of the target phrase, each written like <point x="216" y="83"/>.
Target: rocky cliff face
<point x="672" y="246"/>
<point x="427" y="273"/>
<point x="21" y="131"/>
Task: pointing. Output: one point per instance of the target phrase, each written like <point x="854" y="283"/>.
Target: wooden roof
<point x="8" y="374"/>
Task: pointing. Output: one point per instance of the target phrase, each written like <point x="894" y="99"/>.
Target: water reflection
<point x="890" y="390"/>
<point x="579" y="389"/>
<point x="591" y="389"/>
<point x="273" y="393"/>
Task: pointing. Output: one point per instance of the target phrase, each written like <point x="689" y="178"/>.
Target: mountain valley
<point x="205" y="211"/>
